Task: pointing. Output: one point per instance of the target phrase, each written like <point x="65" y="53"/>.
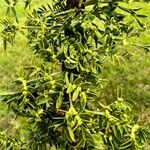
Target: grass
<point x="17" y="55"/>
<point x="133" y="78"/>
<point x="11" y="60"/>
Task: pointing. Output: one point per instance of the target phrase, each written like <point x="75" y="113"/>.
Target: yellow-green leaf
<point x="70" y="131"/>
<point x="71" y="87"/>
<point x="59" y="102"/>
<point x="76" y="93"/>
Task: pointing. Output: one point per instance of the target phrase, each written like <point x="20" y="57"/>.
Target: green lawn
<point x="17" y="55"/>
<point x="133" y="79"/>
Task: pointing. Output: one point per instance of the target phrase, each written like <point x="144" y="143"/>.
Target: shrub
<point x="59" y="97"/>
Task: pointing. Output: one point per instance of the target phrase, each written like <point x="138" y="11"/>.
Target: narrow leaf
<point x="76" y="93"/>
<point x="59" y="102"/>
<point x="70" y="131"/>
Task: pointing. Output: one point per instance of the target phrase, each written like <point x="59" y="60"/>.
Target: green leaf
<point x="70" y="63"/>
<point x="70" y="131"/>
<point x="66" y="79"/>
<point x="114" y="131"/>
<point x="81" y="144"/>
<point x="76" y="93"/>
<point x="32" y="112"/>
<point x="78" y="120"/>
<point x="42" y="100"/>
<point x="87" y="25"/>
<point x="120" y="129"/>
<point x="27" y="3"/>
<point x="65" y="49"/>
<point x="6" y="93"/>
<point x="78" y="80"/>
<point x="71" y="88"/>
<point x="141" y="15"/>
<point x="59" y="101"/>
<point x="72" y="77"/>
<point x="83" y="99"/>
<point x="94" y="112"/>
<point x="126" y="145"/>
<point x="71" y="112"/>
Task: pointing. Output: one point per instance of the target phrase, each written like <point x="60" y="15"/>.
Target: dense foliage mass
<point x="59" y="97"/>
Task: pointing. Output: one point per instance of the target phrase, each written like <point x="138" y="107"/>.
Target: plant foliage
<point x="59" y="97"/>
